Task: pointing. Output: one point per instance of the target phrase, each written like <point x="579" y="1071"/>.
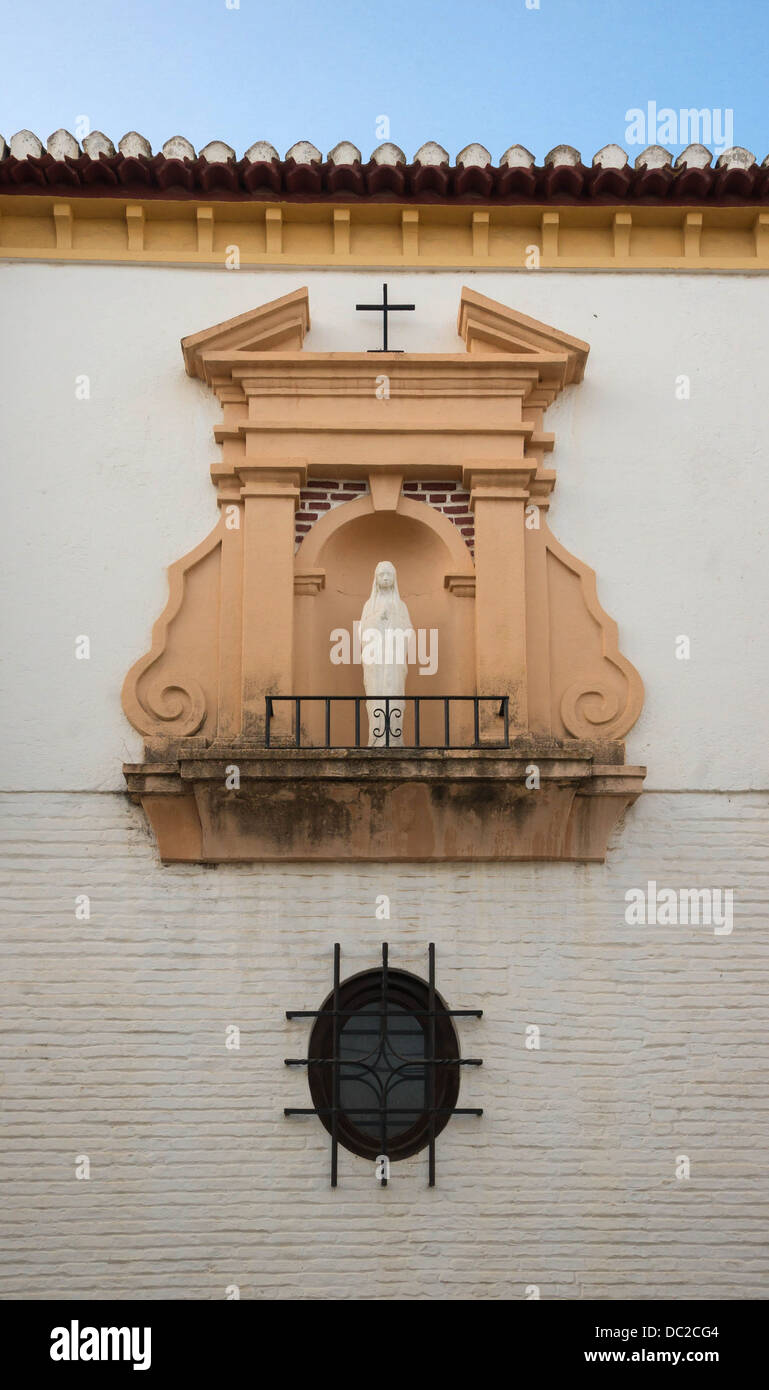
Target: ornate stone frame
<point x="540" y="634"/>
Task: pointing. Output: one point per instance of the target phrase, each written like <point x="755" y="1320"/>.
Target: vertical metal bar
<point x="384" y="318"/>
<point x="357" y="721"/>
<point x="267" y="718"/>
<point x="328" y="722"/>
<point x="382" y="1044"/>
<point x="298" y="718"/>
<point x="430" y="1078"/>
<point x="417" y="699"/>
<point x="446" y="731"/>
<point x="335" y="1069"/>
<point x="387" y="721"/>
<point x="476" y="729"/>
<point x="506" y="703"/>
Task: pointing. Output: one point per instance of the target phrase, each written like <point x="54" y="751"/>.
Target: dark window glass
<point x="384" y="1076"/>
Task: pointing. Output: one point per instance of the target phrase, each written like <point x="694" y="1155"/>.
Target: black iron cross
<point x="384" y="308"/>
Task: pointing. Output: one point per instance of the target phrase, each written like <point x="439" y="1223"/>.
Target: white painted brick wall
<point x="654" y="1043"/>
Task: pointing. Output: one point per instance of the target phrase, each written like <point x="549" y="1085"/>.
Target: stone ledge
<point x="386" y="804"/>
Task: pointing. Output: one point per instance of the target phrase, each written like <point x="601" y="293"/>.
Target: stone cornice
<point x="521" y="236"/>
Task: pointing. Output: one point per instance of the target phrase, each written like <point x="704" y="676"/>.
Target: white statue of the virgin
<point x="385" y="635"/>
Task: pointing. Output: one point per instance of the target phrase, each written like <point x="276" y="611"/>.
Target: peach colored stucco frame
<point x="247" y="618"/>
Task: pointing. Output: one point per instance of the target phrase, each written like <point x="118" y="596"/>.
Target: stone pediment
<point x="277" y="326"/>
<point x="487" y="326"/>
<point x="246" y="629"/>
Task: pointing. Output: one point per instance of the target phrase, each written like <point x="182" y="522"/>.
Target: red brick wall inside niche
<point x="451" y="499"/>
<point x="321" y="494"/>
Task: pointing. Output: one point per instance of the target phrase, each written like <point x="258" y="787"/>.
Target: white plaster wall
<point x="654" y="1039"/>
<point x="112" y="1044"/>
<point x="666" y="499"/>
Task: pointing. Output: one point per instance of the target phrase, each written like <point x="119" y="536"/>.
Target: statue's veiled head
<point x="384" y="603"/>
<point x="384" y="575"/>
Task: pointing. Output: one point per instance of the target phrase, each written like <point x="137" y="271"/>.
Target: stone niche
<point x="250" y="613"/>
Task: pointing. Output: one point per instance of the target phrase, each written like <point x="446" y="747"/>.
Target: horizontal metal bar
<point x="355" y="1062"/>
<point x="401" y="748"/>
<point x="423" y="699"/>
<point x="351" y="1013"/>
<point x="434" y="1110"/>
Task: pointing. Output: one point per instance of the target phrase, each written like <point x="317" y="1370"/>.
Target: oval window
<point x="388" y="1088"/>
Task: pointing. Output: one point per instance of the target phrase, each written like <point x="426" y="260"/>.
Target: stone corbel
<point x="309" y="582"/>
<point x="462" y="585"/>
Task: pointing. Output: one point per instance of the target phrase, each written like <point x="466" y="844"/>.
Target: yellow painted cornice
<point x="157" y="232"/>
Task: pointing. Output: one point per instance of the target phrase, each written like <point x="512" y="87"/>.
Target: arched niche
<point x="431" y="560"/>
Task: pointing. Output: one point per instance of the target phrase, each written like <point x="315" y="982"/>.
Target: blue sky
<point x="493" y="70"/>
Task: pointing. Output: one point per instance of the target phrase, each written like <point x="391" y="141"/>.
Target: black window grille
<point x="383" y="1063"/>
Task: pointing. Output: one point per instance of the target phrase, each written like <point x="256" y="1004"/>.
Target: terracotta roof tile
<point x="62" y="167"/>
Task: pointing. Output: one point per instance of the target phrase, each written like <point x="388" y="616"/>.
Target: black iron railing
<point x="398" y="721"/>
